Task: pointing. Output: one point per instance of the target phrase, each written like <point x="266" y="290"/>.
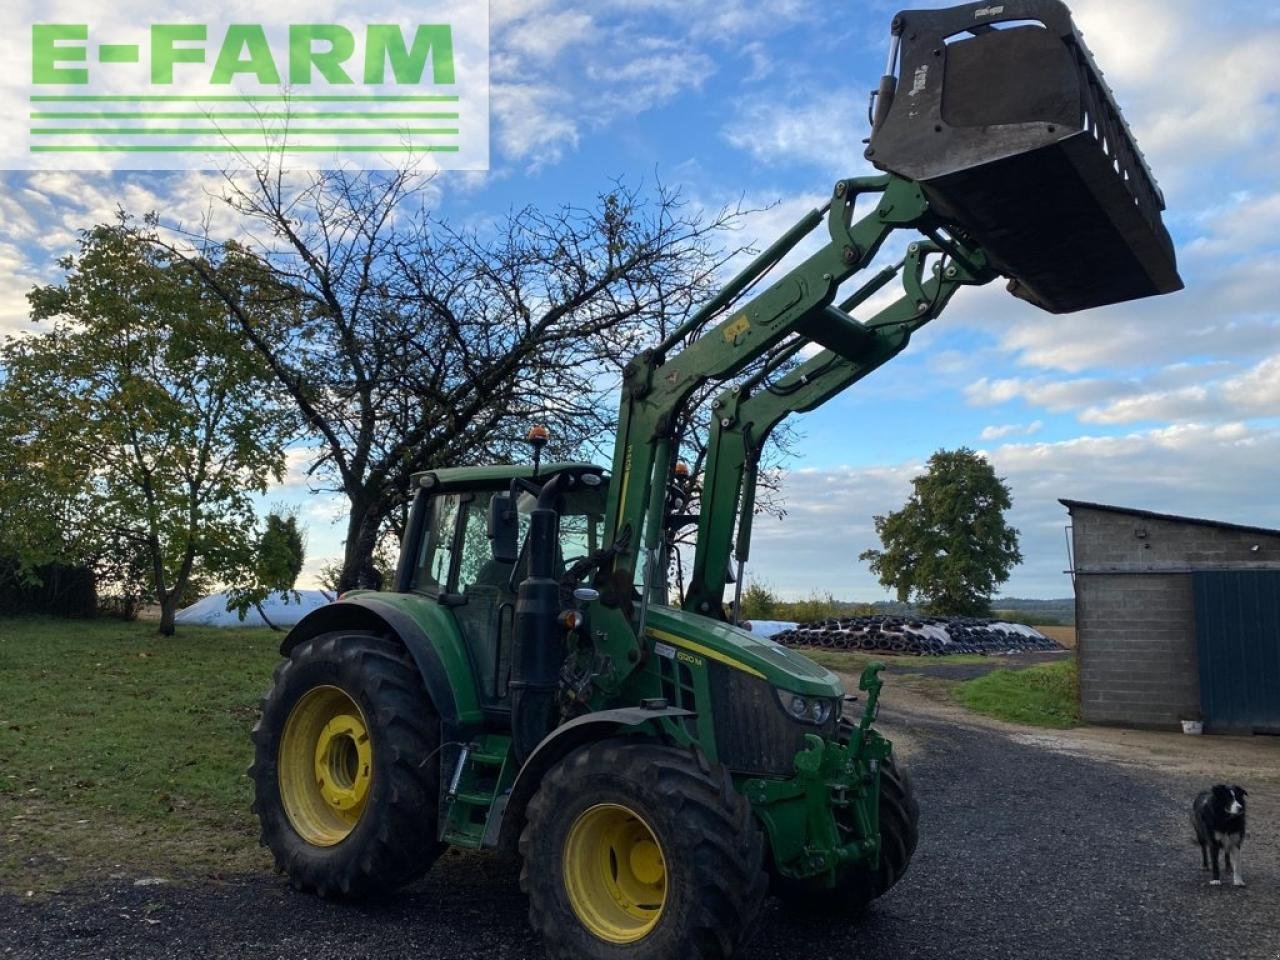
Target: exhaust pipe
<point x="539" y="647"/>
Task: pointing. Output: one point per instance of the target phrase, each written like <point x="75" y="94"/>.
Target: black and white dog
<point x="1218" y="816"/>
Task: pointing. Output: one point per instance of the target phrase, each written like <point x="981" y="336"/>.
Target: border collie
<point x="1218" y="816"/>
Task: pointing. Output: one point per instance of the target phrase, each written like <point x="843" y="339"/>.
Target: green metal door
<point x="1238" y="635"/>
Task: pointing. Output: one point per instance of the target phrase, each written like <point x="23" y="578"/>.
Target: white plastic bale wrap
<point x="920" y="636"/>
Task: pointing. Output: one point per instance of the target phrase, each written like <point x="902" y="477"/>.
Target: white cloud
<point x="661" y="72"/>
<point x="297" y="460"/>
<point x="16" y="278"/>
<point x="1247" y="223"/>
<point x="1053" y="395"/>
<point x="532" y="122"/>
<point x="721" y="21"/>
<point x="43" y="212"/>
<point x="1257" y="389"/>
<point x="1229" y="311"/>
<point x="542" y="38"/>
<point x="559" y="71"/>
<point x="1163" y="405"/>
<point x="1180" y="392"/>
<point x="1195" y="88"/>
<point x="804" y="128"/>
<point x="1000" y="431"/>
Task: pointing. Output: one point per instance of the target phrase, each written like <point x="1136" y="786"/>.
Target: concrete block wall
<point x="1137" y="649"/>
<point x="1135" y="617"/>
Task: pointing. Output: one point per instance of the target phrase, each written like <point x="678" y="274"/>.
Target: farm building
<point x="1177" y="618"/>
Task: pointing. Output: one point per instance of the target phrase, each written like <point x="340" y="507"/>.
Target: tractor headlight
<point x="814" y="710"/>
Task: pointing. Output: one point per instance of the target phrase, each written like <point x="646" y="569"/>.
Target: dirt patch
<point x="44" y="848"/>
<point x="1247" y="760"/>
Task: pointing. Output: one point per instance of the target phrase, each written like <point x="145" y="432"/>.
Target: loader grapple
<point x="1002" y="117"/>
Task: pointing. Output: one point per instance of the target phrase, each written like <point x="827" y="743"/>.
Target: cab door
<point x="485" y="596"/>
<point x="455" y="566"/>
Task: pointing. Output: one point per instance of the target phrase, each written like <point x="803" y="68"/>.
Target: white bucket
<point x="1193" y="727"/>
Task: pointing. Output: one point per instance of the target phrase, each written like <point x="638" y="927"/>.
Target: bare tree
<point x="407" y="343"/>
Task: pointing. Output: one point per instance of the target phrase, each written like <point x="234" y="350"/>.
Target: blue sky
<point x="1168" y="404"/>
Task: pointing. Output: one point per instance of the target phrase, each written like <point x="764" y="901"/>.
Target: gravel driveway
<point x="1031" y="848"/>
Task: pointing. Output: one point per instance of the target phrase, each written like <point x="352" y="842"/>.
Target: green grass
<point x="1043" y="696"/>
<point x="124" y="750"/>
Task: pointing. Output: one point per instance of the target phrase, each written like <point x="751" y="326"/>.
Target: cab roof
<point x="493" y="475"/>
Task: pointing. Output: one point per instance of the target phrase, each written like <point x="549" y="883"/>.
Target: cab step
<point x="479" y="773"/>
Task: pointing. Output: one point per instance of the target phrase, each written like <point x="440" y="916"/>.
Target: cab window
<point x="476" y="565"/>
<point x="435" y="560"/>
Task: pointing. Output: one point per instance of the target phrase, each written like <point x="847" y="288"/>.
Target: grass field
<point x="1064" y="635"/>
<point x="121" y="750"/>
<point x="1043" y="696"/>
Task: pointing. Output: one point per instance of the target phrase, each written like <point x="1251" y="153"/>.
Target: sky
<point x="1169" y="404"/>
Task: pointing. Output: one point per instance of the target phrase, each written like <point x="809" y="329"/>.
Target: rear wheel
<point x="346" y="805"/>
<point x="636" y="850"/>
<point x="856" y="887"/>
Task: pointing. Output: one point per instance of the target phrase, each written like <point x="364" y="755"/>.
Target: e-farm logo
<point x="378" y="92"/>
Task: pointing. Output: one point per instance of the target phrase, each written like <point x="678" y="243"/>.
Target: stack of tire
<point x="918" y="636"/>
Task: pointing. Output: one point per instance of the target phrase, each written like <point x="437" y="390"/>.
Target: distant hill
<point x="1039" y="611"/>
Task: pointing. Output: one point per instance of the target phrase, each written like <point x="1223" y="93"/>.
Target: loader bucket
<point x="1002" y="117"/>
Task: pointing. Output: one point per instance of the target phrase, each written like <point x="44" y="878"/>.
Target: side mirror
<point x="504" y="529"/>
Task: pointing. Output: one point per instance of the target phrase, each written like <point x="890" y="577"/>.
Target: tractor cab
<point x="452" y="553"/>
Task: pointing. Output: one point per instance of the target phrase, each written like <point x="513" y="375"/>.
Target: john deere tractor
<point x="526" y="684"/>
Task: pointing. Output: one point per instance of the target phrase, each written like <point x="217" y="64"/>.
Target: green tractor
<point x="526" y="685"/>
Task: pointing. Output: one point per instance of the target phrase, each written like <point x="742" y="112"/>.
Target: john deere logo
<point x="162" y="94"/>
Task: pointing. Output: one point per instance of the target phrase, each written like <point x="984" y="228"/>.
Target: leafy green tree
<point x="141" y="418"/>
<point x="949" y="546"/>
<point x="274" y="567"/>
<point x="758" y="603"/>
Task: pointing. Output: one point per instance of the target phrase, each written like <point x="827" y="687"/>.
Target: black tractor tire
<point x="856" y="887"/>
<point x="394" y="837"/>
<point x="710" y="847"/>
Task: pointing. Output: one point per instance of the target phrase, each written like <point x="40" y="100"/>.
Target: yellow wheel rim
<point x="614" y="873"/>
<point x="325" y="766"/>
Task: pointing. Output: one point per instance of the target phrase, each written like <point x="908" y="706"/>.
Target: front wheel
<point x="856" y="887"/>
<point x="346" y="802"/>
<point x="636" y="850"/>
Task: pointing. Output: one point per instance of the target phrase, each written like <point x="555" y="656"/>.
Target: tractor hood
<point x="743" y="650"/>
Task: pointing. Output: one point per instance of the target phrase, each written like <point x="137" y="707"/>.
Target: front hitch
<point x="871" y="683"/>
<point x="827" y="815"/>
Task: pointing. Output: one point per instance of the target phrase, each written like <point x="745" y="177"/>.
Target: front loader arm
<point x="744" y="416"/>
<point x="656" y="386"/>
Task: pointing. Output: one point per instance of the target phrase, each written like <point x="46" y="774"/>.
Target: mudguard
<point x="429" y="633"/>
<point x="503" y="829"/>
